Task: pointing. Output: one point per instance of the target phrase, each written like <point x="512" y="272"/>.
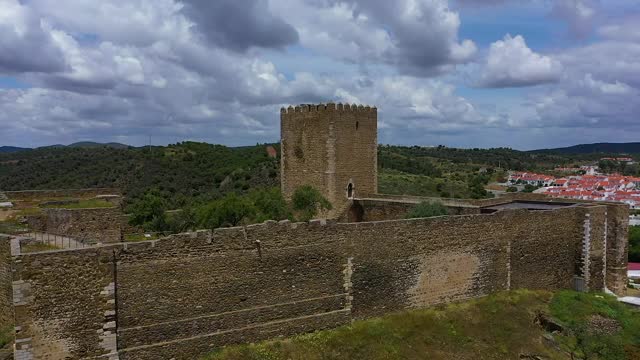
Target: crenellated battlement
<point x="328" y="107"/>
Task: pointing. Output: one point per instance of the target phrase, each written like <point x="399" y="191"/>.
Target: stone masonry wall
<point x="64" y="304"/>
<point x="6" y="291"/>
<point x="617" y="242"/>
<point x="188" y="294"/>
<point x="93" y="225"/>
<point x="382" y="209"/>
<point x="328" y="147"/>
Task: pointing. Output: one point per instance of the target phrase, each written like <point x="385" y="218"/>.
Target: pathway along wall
<point x="189" y="294"/>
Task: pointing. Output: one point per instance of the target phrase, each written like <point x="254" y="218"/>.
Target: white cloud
<point x="418" y="37"/>
<point x="616" y="88"/>
<point x="23" y="35"/>
<point x="580" y="15"/>
<point x="510" y="63"/>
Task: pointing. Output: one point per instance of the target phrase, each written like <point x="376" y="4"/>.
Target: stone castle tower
<point x="330" y="147"/>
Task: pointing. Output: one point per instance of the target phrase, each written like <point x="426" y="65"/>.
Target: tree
<point x="476" y="187"/>
<point x="307" y="201"/>
<point x="149" y="213"/>
<point x="512" y="189"/>
<point x="529" y="188"/>
<point x="269" y="204"/>
<point x="181" y="221"/>
<point x="228" y="211"/>
<point x="427" y="209"/>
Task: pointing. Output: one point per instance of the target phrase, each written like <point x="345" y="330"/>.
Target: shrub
<point x="270" y="205"/>
<point x="149" y="213"/>
<point x="228" y="211"/>
<point x="307" y="201"/>
<point x="427" y="209"/>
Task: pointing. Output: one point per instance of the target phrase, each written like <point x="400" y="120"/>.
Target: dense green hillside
<point x="600" y="148"/>
<point x="182" y="173"/>
<point x="510" y="325"/>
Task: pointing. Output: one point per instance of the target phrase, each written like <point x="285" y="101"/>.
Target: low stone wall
<point x="61" y="193"/>
<point x="363" y="210"/>
<point x="91" y="225"/>
<point x="188" y="294"/>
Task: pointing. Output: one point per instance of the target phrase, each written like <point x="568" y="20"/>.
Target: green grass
<point x="82" y="204"/>
<point x="6" y="336"/>
<point x="11" y="227"/>
<point x="29" y="211"/>
<point x="500" y="326"/>
<point x="139" y="237"/>
<point x="577" y="310"/>
<point x="38" y="246"/>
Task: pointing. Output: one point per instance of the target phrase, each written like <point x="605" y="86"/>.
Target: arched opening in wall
<point x="350" y="191"/>
<point x="357" y="124"/>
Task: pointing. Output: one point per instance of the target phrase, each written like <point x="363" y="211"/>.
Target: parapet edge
<point x="302" y="108"/>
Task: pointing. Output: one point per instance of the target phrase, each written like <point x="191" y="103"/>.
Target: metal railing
<point x="36" y="242"/>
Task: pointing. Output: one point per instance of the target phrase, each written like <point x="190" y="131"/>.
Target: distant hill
<point x="81" y="144"/>
<point x="10" y="149"/>
<point x="91" y="144"/>
<point x="608" y="148"/>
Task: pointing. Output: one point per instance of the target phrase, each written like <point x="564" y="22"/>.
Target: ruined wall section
<point x="102" y="225"/>
<point x="64" y="305"/>
<point x="327" y="147"/>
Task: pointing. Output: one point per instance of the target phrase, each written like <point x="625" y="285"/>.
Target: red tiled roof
<point x="633" y="266"/>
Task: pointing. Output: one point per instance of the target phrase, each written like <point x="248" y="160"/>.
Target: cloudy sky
<point x="468" y="73"/>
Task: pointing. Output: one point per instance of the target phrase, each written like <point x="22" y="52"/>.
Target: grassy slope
<point x="82" y="204"/>
<point x="499" y="326"/>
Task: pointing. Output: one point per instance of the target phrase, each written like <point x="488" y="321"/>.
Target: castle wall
<point x="546" y="247"/>
<point x="328" y="147"/>
<point x="382" y="209"/>
<point x="617" y="245"/>
<point x="64" y="304"/>
<point x="188" y="294"/>
<point x="6" y="291"/>
<point x="210" y="290"/>
<point x="90" y="225"/>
